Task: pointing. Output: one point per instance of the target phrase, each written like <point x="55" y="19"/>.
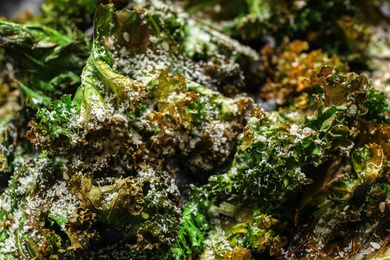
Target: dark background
<point x="11" y="8"/>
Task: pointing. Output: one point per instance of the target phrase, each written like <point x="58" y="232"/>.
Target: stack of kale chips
<point x="143" y="130"/>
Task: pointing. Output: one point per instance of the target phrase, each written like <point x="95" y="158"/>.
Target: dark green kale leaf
<point x="378" y="107"/>
<point x="66" y="15"/>
<point x="193" y="229"/>
<point x="278" y="158"/>
<point x="349" y="200"/>
<point x="34" y="210"/>
<point x="145" y="209"/>
<point x="13" y="119"/>
<point x="274" y="153"/>
<point x="227" y="231"/>
<point x="177" y="115"/>
<point x="48" y="62"/>
<point x="350" y="24"/>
